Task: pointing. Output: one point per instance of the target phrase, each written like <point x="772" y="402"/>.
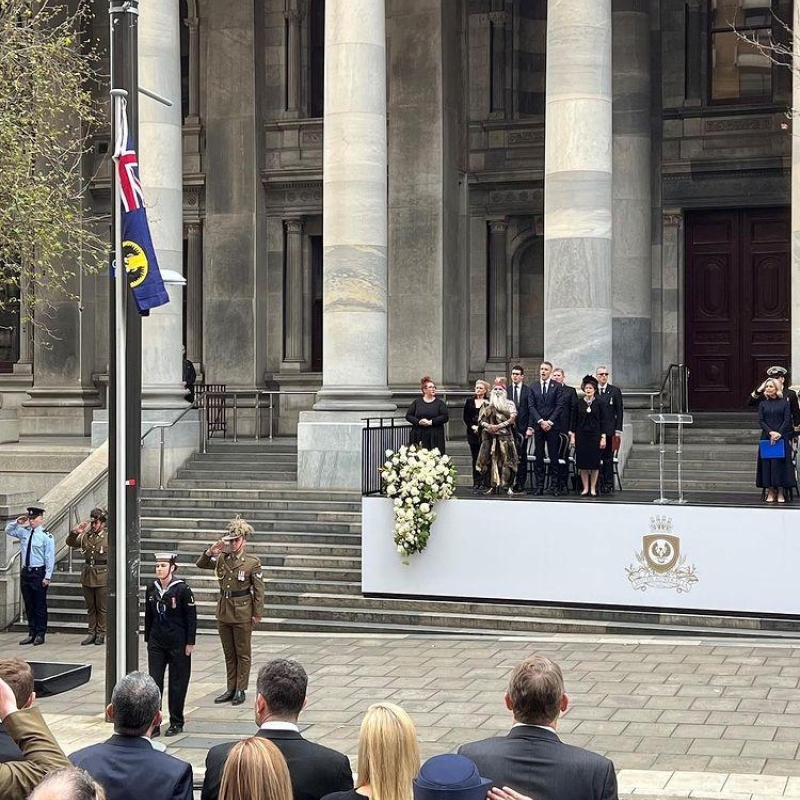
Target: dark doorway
<point x="737" y="303"/>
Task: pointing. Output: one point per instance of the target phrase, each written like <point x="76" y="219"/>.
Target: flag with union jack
<point x="138" y="253"/>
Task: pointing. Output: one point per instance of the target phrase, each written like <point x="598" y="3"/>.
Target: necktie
<point x="28" y="552"/>
<point x="516" y="395"/>
<point x="544" y="388"/>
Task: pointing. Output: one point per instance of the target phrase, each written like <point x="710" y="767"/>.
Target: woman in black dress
<point x="775" y="418"/>
<point x="428" y="415"/>
<point x="472" y="409"/>
<point x="592" y="429"/>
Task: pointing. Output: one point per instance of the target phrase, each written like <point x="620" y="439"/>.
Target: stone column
<point x="498" y="296"/>
<point x="293" y="299"/>
<point x="294" y="61"/>
<point x="161" y="169"/>
<point x="695" y="51"/>
<point x="795" y="129"/>
<point x="631" y="275"/>
<point x="194" y="69"/>
<point x="577" y="202"/>
<point x="354" y="371"/>
<point x="194" y="292"/>
<point x="498" y="20"/>
<point x="24" y="365"/>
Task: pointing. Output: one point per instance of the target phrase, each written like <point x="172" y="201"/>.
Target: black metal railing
<point x="379" y="435"/>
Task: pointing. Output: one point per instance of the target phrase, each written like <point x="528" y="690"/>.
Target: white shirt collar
<point x="526" y="725"/>
<point x="279" y="725"/>
<point x="155" y="744"/>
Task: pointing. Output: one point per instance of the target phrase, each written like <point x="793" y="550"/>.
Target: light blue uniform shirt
<point x="43" y="549"/>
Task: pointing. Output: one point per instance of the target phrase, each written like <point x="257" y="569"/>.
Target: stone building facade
<point x="591" y="181"/>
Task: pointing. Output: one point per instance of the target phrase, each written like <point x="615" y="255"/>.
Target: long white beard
<point x="499" y="402"/>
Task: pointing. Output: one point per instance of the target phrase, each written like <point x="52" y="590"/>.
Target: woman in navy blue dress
<point x="775" y="419"/>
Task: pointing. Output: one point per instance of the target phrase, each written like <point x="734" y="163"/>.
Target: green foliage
<point x="46" y="116"/>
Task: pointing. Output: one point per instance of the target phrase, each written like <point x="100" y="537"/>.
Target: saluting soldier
<point x="91" y="537"/>
<point x="37" y="559"/>
<point x="240" y="604"/>
<point x="170" y="628"/>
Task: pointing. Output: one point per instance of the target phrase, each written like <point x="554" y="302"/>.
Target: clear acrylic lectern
<point x="662" y="420"/>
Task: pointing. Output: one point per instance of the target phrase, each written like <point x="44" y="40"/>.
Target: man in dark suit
<point x="612" y="395"/>
<point x="518" y="394"/>
<point x="128" y="765"/>
<point x="531" y="759"/>
<point x="569" y="417"/>
<point x="314" y="770"/>
<point x="545" y="404"/>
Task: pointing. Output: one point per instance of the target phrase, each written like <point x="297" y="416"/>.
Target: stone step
<point x="195" y="517"/>
<point x="717" y="465"/>
<point x="224" y="456"/>
<point x="671" y="485"/>
<point x="232" y="505"/>
<point x="262" y="476"/>
<point x="264" y="549"/>
<point x="235" y="484"/>
<point x="246" y="494"/>
<point x="275" y="531"/>
<point x="730" y="475"/>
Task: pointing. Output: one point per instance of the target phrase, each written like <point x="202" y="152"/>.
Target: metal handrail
<point x="162" y="426"/>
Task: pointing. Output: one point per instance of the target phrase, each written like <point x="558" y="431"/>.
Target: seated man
<point x="314" y="770"/>
<point x="532" y="759"/>
<point x="68" y="783"/>
<point x="127" y="765"/>
<point x="40" y="751"/>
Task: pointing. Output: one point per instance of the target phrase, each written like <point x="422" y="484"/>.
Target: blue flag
<point x="138" y="253"/>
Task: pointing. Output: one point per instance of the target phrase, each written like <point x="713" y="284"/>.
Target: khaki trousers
<point x="236" y="644"/>
<point x="96" y="597"/>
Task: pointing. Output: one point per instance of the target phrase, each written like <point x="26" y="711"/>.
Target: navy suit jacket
<point x="130" y="769"/>
<point x="523" y="413"/>
<point x="547" y="407"/>
<point x="535" y="762"/>
<point x="613" y="396"/>
<point x="569" y="413"/>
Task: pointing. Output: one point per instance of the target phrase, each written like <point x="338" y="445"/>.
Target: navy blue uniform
<point x="37" y="559"/>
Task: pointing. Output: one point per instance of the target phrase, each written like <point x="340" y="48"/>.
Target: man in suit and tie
<point x="518" y="394"/>
<point x="545" y="404"/>
<point x="569" y="417"/>
<point x="129" y="765"/>
<point x="314" y="770"/>
<point x="612" y="395"/>
<point x="531" y="758"/>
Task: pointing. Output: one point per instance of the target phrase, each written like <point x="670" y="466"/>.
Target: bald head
<point x="69" y="783"/>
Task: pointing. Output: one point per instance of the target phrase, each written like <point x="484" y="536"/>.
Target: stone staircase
<point x="310" y="546"/>
<point x="719" y="456"/>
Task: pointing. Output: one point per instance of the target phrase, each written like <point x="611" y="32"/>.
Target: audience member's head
<point x="452" y="777"/>
<point x="17" y="674"/>
<point x="388" y="753"/>
<point x="281" y="690"/>
<point x="135" y="707"/>
<point x="256" y="770"/>
<point x="68" y="783"/>
<point x="536" y="692"/>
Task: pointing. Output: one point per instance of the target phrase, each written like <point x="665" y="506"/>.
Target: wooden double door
<point x="738" y="302"/>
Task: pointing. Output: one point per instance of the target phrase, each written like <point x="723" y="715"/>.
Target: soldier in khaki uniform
<point x="240" y="605"/>
<point x="91" y="537"/>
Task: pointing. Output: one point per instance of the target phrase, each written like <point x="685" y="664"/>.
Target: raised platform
<point x="620" y="552"/>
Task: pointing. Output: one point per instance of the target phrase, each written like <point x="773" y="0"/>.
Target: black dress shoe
<point x="88" y="640"/>
<point x="38" y="640"/>
<point x="238" y="697"/>
<point x="100" y="639"/>
<point x="156" y="732"/>
<point x="225" y="697"/>
<point x="27" y="640"/>
<point x="539" y="492"/>
<point x="174" y="730"/>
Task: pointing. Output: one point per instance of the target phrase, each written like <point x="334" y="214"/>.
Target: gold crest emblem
<point x="661" y="565"/>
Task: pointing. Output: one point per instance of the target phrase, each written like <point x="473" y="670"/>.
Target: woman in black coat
<point x="593" y="426"/>
<point x="428" y="415"/>
<point x="775" y="418"/>
<point x="472" y="409"/>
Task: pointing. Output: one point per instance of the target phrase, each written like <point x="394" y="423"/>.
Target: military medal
<point x="241" y="575"/>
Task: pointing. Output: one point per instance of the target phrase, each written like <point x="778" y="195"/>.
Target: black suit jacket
<point x="613" y="396"/>
<point x="315" y="770"/>
<point x="523" y="413"/>
<point x="548" y="407"/>
<point x="535" y="762"/>
<point x="8" y="747"/>
<point x="569" y="413"/>
<point x="130" y="769"/>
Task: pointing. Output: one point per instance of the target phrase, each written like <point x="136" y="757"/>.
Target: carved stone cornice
<point x="498" y="17"/>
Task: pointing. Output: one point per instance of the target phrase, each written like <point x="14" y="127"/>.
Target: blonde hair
<point x="255" y="769"/>
<point x="388" y="753"/>
<point x="775" y="384"/>
<point x="487" y="387"/>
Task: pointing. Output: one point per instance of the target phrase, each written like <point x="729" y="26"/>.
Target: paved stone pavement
<point x="680" y="717"/>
